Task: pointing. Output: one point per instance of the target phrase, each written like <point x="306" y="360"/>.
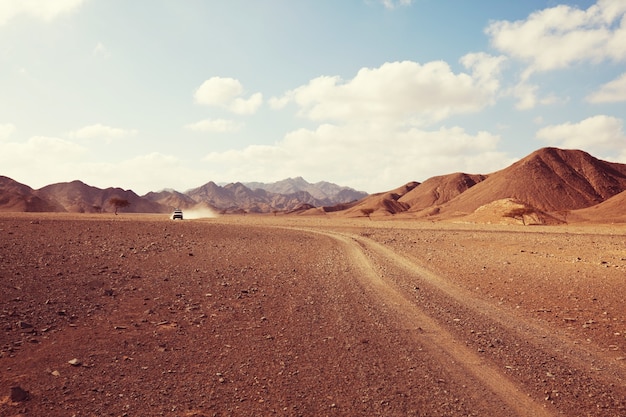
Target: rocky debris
<point x="268" y="318"/>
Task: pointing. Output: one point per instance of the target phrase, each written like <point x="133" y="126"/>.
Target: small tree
<point x="367" y="212"/>
<point x="118" y="203"/>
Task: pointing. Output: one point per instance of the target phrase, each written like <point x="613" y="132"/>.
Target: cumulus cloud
<point x="611" y="92"/>
<point x="595" y="134"/>
<point x="557" y="37"/>
<point x="227" y="93"/>
<point x="6" y="130"/>
<point x="379" y="158"/>
<point x="100" y="131"/>
<point x="41" y="160"/>
<point x="214" y="125"/>
<point x="27" y="160"/>
<point x="399" y="93"/>
<point x="40" y="9"/>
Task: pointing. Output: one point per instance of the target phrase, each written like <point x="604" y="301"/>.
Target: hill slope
<point x="78" y="197"/>
<point x="550" y="180"/>
<point x="15" y="196"/>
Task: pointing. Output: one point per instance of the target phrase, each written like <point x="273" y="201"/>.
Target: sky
<point x="371" y="94"/>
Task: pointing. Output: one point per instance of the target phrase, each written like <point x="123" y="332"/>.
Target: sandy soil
<point x="138" y="315"/>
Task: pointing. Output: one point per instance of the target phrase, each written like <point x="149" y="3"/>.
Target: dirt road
<point x="289" y="316"/>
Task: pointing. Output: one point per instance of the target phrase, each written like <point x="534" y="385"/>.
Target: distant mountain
<point x="16" y="197"/>
<point x="235" y="197"/>
<point x="78" y="197"/>
<point x="323" y="191"/>
<point x="549" y="186"/>
<point x="171" y="199"/>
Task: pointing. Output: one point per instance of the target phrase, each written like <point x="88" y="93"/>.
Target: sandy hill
<point x="415" y="196"/>
<point x="381" y="203"/>
<point x="439" y="190"/>
<point x="542" y="188"/>
<point x="549" y="180"/>
<point x="78" y="197"/>
<point x="15" y="196"/>
<point x="612" y="210"/>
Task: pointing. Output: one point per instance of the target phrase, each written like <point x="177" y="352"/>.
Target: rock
<point x="75" y="362"/>
<point x="18" y="394"/>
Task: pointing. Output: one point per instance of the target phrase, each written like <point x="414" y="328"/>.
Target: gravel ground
<point x="138" y="315"/>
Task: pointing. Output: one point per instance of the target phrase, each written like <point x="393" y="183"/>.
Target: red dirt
<point x="258" y="315"/>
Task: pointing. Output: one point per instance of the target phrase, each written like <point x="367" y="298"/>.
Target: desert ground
<point x="139" y="315"/>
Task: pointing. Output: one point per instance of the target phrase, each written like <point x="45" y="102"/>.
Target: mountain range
<point x="549" y="186"/>
<point x="78" y="197"/>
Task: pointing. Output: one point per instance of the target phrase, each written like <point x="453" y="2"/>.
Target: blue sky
<point x="371" y="94"/>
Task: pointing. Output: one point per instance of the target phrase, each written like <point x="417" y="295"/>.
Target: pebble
<point x="75" y="362"/>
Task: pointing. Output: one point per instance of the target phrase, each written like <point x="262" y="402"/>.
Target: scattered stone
<point x="75" y="362"/>
<point x="18" y="394"/>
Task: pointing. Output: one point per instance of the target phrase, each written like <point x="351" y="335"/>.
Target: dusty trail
<point x="441" y="343"/>
<point x="585" y="372"/>
<point x="547" y="338"/>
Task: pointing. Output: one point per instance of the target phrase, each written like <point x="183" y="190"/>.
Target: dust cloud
<point x="199" y="213"/>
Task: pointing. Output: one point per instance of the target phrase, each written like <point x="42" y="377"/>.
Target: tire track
<point x="444" y="346"/>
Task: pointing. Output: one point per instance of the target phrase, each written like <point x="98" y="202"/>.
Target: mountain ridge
<point x="77" y="197"/>
<point x="548" y="186"/>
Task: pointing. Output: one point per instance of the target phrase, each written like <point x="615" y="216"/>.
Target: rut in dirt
<point x="516" y="372"/>
<point x="443" y="344"/>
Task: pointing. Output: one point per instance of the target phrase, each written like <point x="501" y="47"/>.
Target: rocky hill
<point x="78" y="197"/>
<point x="548" y="186"/>
<point x="15" y="196"/>
<point x="543" y="187"/>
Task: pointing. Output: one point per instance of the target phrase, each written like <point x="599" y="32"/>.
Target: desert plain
<point x="139" y="315"/>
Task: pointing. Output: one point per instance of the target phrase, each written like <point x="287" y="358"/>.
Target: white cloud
<point x="40" y="9"/>
<point x="399" y="93"/>
<point x="595" y="134"/>
<point x="527" y="96"/>
<point x="100" y="131"/>
<point x="158" y="171"/>
<point x="392" y="4"/>
<point x="214" y="125"/>
<point x="6" y="130"/>
<point x="40" y="158"/>
<point x="558" y="37"/>
<point x="226" y="93"/>
<point x="41" y="161"/>
<point x="379" y="158"/>
<point x="611" y="92"/>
